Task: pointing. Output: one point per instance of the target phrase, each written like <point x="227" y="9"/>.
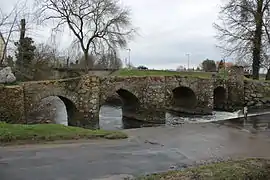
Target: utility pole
<point x="21" y="47"/>
<point x="188" y="55"/>
<point x="129" y="56"/>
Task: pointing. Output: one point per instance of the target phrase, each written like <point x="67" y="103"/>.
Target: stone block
<point x="6" y="76"/>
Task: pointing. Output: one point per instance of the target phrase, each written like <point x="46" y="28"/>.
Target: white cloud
<point x="170" y="30"/>
<point x="167" y="31"/>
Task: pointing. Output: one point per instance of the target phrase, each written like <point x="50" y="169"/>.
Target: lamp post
<point x="188" y="55"/>
<point x="129" y="56"/>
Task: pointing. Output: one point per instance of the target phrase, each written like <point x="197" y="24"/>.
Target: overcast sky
<point x="171" y="29"/>
<point x="168" y="30"/>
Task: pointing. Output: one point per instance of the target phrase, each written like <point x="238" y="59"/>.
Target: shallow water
<point x="110" y="118"/>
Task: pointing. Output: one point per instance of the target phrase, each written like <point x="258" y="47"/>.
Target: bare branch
<point x="96" y="24"/>
<point x="244" y="30"/>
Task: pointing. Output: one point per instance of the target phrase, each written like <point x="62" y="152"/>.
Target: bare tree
<point x="110" y="60"/>
<point x="83" y="62"/>
<point x="243" y="30"/>
<point x="180" y="68"/>
<point x="45" y="56"/>
<point x="98" y="25"/>
<point x="43" y="61"/>
<point x="10" y="26"/>
<point x="7" y="27"/>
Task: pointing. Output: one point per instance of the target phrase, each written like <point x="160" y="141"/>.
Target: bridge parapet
<point x="85" y="95"/>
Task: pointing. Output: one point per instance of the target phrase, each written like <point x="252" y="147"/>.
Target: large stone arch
<point x="220" y="98"/>
<point x="68" y="98"/>
<point x="129" y="103"/>
<point x="184" y="97"/>
<point x="129" y="100"/>
<point x="113" y="91"/>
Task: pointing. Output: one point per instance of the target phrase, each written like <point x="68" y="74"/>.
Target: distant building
<point x="227" y="64"/>
<point x="2" y="46"/>
<point x="247" y="69"/>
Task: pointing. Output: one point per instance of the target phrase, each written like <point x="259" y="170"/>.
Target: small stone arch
<point x="114" y="91"/>
<point x="184" y="97"/>
<point x="71" y="110"/>
<point x="220" y="98"/>
<point x="69" y="101"/>
<point x="129" y="104"/>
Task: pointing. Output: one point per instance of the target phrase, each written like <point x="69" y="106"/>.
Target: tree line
<point x="243" y="33"/>
<point x="99" y="28"/>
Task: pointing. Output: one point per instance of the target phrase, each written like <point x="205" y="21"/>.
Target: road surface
<point x="147" y="150"/>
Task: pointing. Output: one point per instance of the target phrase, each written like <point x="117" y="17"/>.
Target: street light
<point x="129" y="52"/>
<point x="188" y="55"/>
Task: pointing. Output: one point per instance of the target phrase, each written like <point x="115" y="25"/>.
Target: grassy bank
<point x="252" y="169"/>
<point x="17" y="133"/>
<point x="136" y="72"/>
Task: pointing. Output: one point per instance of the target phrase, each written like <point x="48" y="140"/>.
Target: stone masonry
<point x="257" y="94"/>
<point x="83" y="96"/>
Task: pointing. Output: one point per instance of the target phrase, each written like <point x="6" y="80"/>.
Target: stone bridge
<point x="143" y="98"/>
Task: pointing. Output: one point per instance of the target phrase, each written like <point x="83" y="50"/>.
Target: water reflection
<point x="253" y="124"/>
<point x="173" y="119"/>
<point x="110" y="117"/>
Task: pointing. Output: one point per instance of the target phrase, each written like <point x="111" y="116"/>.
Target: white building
<point x="247" y="69"/>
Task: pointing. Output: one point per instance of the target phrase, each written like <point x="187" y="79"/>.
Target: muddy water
<point x="110" y="117"/>
<point x="256" y="124"/>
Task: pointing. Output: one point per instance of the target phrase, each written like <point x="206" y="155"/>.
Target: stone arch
<point x="68" y="99"/>
<point x="71" y="110"/>
<point x="129" y="100"/>
<point x="220" y="98"/>
<point x="127" y="107"/>
<point x="114" y="90"/>
<point x="184" y="97"/>
<point x="113" y="100"/>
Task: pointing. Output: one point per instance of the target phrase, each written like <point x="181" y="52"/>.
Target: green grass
<point x="255" y="80"/>
<point x="252" y="169"/>
<point x="19" y="133"/>
<point x="13" y="83"/>
<point x="136" y="72"/>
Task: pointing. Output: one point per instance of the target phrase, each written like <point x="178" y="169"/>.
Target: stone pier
<point x="144" y="98"/>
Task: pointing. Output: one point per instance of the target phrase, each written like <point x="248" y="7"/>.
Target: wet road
<point x="147" y="150"/>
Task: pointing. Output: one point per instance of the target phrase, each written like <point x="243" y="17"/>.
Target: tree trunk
<point x="257" y="42"/>
<point x="23" y="29"/>
<point x="268" y="74"/>
<point x="4" y="50"/>
<point x="86" y="57"/>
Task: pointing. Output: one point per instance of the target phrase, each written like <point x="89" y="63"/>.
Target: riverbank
<point x="253" y="169"/>
<point x="29" y="134"/>
<point x="146" y="151"/>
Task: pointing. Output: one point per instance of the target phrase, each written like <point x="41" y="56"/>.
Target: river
<point x="110" y="117"/>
